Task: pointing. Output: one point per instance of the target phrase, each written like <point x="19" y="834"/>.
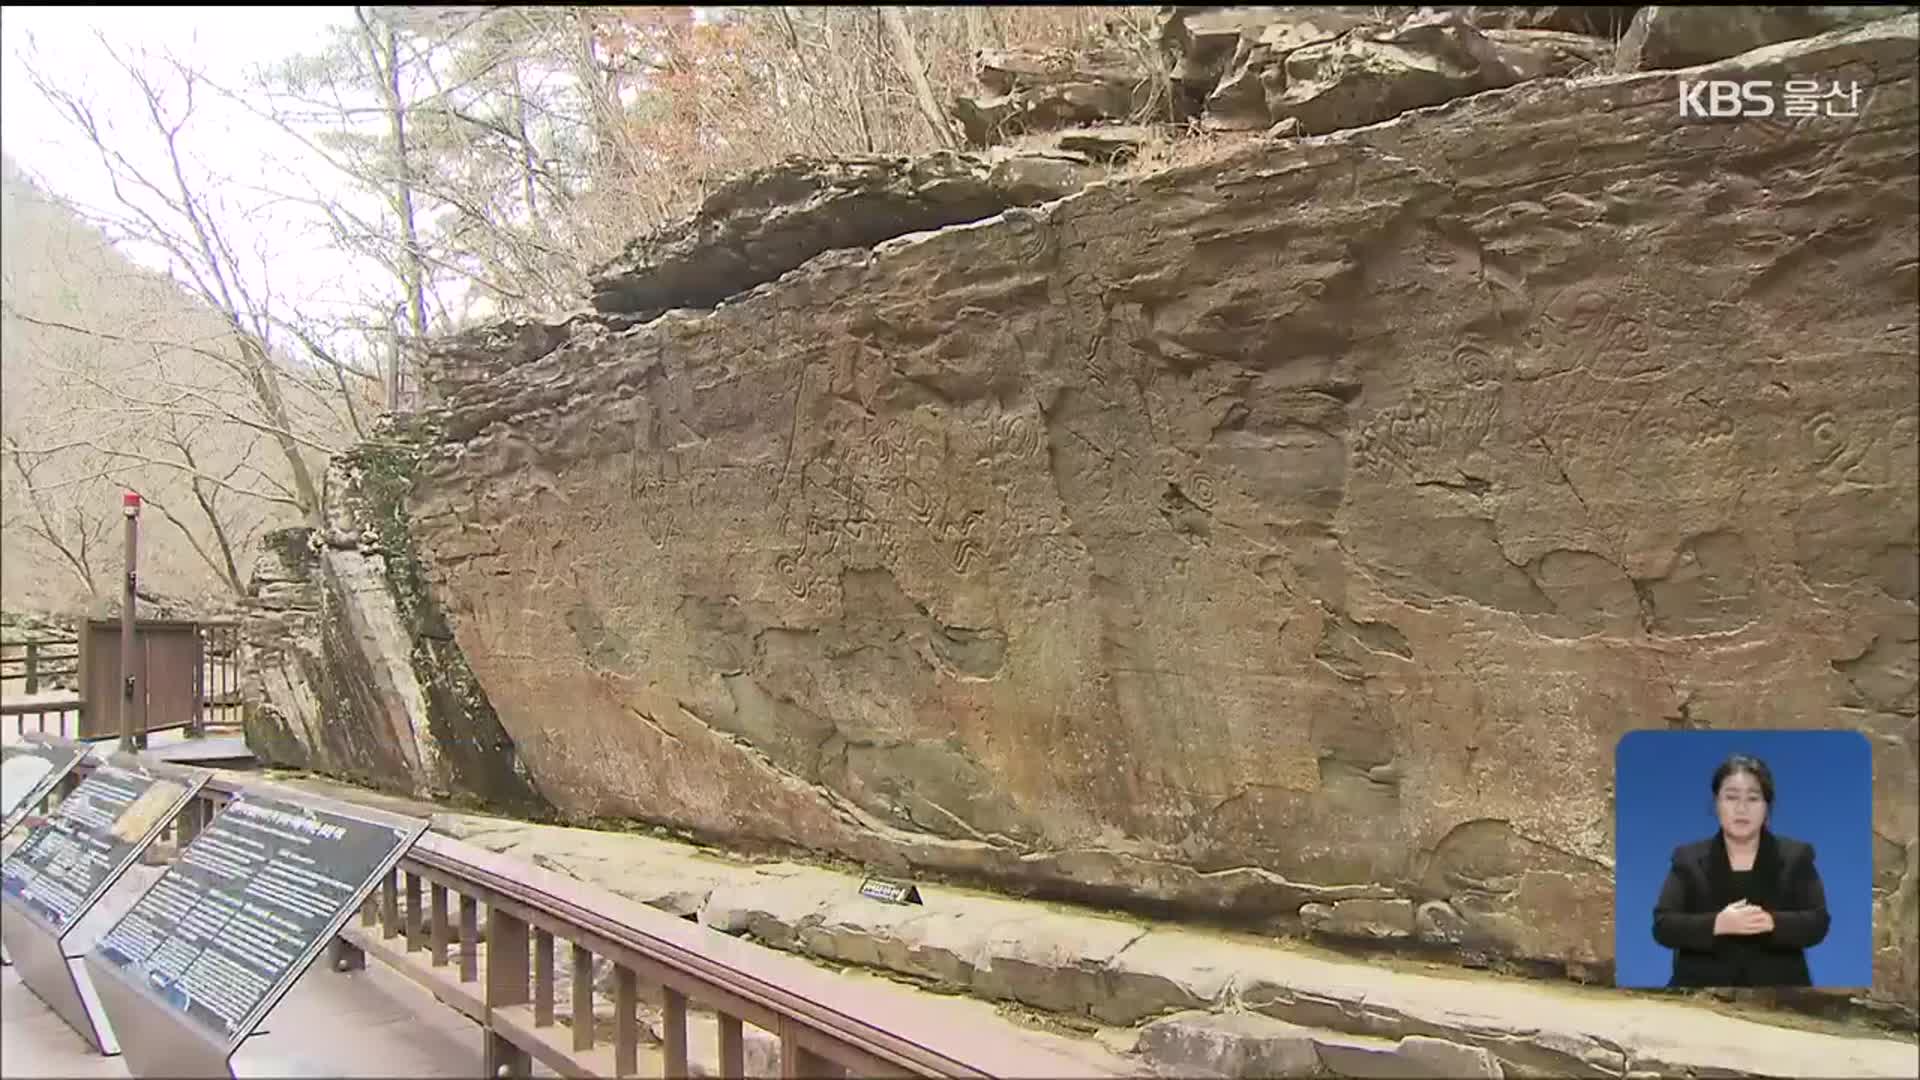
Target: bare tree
<point x="66" y="527"/>
<point x="533" y="142"/>
<point x="173" y="210"/>
<point x="381" y="42"/>
<point x="908" y="58"/>
<point x="135" y="423"/>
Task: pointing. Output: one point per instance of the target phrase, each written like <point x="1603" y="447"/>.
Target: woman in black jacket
<point x="1741" y="908"/>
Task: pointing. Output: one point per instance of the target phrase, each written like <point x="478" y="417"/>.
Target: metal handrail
<point x="861" y="1032"/>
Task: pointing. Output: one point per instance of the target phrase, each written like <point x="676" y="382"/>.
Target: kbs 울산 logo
<point x="1794" y="99"/>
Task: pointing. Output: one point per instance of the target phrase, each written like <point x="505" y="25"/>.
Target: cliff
<point x="1285" y="539"/>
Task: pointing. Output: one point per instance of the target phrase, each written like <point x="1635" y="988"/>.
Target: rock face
<point x="1251" y="1045"/>
<point x="1031" y="91"/>
<point x="1236" y="1044"/>
<point x="1301" y="529"/>
<point x="1247" y="68"/>
<point x="350" y="671"/>
<point x="1361" y="918"/>
<point x="1362" y="78"/>
<point x="1672" y="36"/>
<point x="1309" y="70"/>
<point x="756" y="228"/>
<point x="1597" y="20"/>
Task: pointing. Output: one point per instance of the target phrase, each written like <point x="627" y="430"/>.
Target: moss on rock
<point x="482" y="762"/>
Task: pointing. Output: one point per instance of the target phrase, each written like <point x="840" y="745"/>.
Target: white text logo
<point x="1723" y="98"/>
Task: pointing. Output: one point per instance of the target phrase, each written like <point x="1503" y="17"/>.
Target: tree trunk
<point x="600" y="111"/>
<point x="228" y="567"/>
<point x="413" y="270"/>
<point x="976" y="30"/>
<point x="392" y="336"/>
<point x="266" y="390"/>
<point x="526" y="148"/>
<point x="849" y="78"/>
<point x="909" y="60"/>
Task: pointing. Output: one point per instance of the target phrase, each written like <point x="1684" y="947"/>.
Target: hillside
<point x="94" y="344"/>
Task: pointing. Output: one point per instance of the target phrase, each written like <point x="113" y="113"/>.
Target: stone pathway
<point x="1112" y="977"/>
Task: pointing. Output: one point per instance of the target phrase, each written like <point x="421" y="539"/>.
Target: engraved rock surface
<point x="1303" y="527"/>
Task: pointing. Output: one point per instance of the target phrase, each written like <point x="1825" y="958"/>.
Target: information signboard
<point x="890" y="892"/>
<point x="28" y="774"/>
<point x="65" y="865"/>
<point x="99" y="830"/>
<point x="235" y="921"/>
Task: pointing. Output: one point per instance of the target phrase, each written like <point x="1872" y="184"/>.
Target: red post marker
<point x="130" y="503"/>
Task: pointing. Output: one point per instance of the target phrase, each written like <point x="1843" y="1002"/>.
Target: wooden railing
<point x="493" y="937"/>
<point x="52" y="661"/>
<point x="220" y="674"/>
<point x="49" y="659"/>
<point x="34" y="715"/>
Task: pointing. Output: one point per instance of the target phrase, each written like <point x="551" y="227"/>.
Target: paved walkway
<point x="365" y="1023"/>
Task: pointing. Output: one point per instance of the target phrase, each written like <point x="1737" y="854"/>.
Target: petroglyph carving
<point x="855" y="514"/>
<point x="1417" y="438"/>
<point x="1093" y="368"/>
<point x="964" y="554"/>
<point x="929" y="455"/>
<point x="1034" y="235"/>
<point x="1016" y="436"/>
<point x="886" y="444"/>
<point x="792" y="568"/>
<point x="964" y="538"/>
<point x="823" y="538"/>
<point x="1472" y="365"/>
<point x="1591" y="329"/>
<point x="1712" y="422"/>
<point x="919" y="502"/>
<point x="1199" y="487"/>
<point x="1624" y="351"/>
<point x="1839" y="453"/>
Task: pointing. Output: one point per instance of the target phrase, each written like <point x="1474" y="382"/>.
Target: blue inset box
<point x="1685" y="852"/>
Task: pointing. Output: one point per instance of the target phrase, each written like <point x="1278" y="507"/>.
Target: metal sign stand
<point x="162" y="1039"/>
<point x="39" y="947"/>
